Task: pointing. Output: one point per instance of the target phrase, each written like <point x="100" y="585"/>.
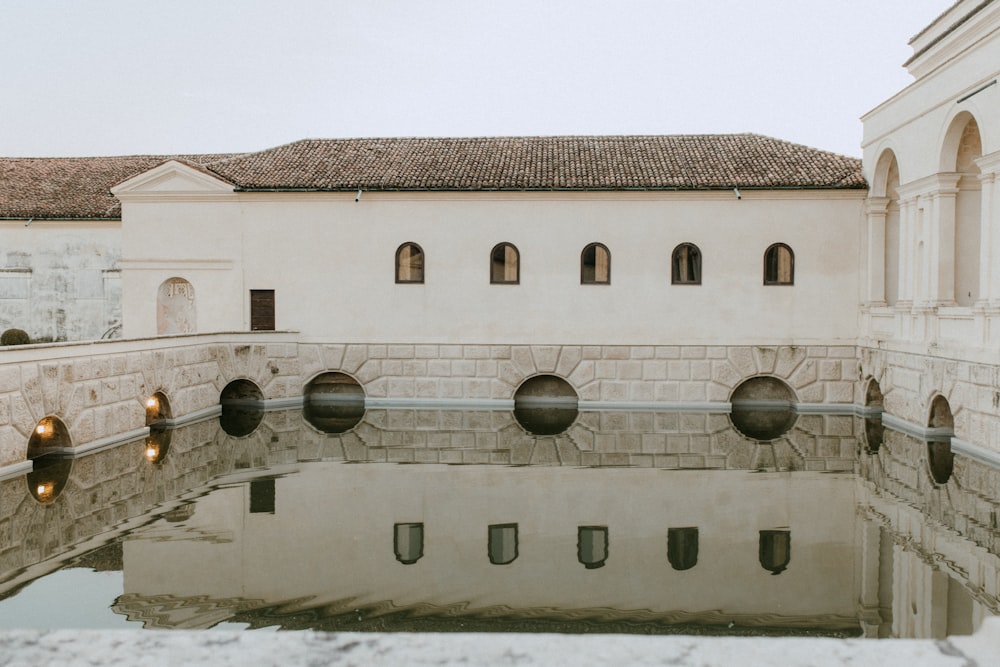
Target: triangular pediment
<point x="173" y="177"/>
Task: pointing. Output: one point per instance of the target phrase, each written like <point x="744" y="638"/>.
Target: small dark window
<point x="595" y="265"/>
<point x="501" y="542"/>
<point x="505" y="265"/>
<point x="685" y="265"/>
<point x="408" y="542"/>
<point x="682" y="548"/>
<point x="409" y="264"/>
<point x="592" y="546"/>
<point x="262" y="310"/>
<point x="779" y="265"/>
<point x="775" y="550"/>
<point x="262" y="496"/>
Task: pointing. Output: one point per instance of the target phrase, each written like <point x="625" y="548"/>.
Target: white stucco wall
<point x="330" y="261"/>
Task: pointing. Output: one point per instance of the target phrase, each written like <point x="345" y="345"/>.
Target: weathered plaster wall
<point x="60" y="280"/>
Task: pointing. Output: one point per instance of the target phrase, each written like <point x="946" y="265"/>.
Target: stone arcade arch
<point x="940" y="459"/>
<point x="884" y="232"/>
<point x="961" y="148"/>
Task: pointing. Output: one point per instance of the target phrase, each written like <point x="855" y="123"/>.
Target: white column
<point x="876" y="208"/>
<point x="989" y="235"/>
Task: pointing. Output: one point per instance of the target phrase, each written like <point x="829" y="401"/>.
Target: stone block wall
<point x="610" y="374"/>
<point x="910" y="381"/>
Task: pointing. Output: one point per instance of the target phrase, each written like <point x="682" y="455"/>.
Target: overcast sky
<point x="110" y="77"/>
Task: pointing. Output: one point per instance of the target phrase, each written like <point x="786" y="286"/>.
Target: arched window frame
<point x="594" y="271"/>
<point x="412" y="274"/>
<point x="685" y="265"/>
<point x="772" y="265"/>
<point x="501" y="272"/>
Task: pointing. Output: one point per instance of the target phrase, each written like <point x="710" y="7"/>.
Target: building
<point x="660" y="270"/>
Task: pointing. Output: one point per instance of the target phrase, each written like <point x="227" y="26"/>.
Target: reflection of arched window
<point x="595" y="265"/>
<point x="685" y="265"/>
<point x="779" y="265"/>
<point x="505" y="265"/>
<point x="408" y="542"/>
<point x="409" y="264"/>
<point x="775" y="550"/>
<point x="175" y="311"/>
<point x="682" y="548"/>
<point x="592" y="546"/>
<point x="502" y="543"/>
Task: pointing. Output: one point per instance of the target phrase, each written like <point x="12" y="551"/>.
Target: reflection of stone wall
<point x="945" y="551"/>
<point x="99" y="390"/>
<point x="909" y="382"/>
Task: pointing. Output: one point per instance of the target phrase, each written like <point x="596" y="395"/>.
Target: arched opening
<point x="333" y="403"/>
<point x="779" y="265"/>
<point x="940" y="416"/>
<point x="242" y="408"/>
<point x="763" y="408"/>
<point x="545" y="405"/>
<point x="158" y="409"/>
<point x="592" y="546"/>
<point x="595" y="265"/>
<point x="175" y="307"/>
<point x="685" y="265"/>
<point x="968" y="207"/>
<point x="873" y="394"/>
<point x="50" y="436"/>
<point x="408" y="542"/>
<point x="505" y="265"/>
<point x="886" y="184"/>
<point x="682" y="548"/>
<point x="409" y="263"/>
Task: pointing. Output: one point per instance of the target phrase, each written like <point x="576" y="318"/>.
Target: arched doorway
<point x="242" y="408"/>
<point x="333" y="403"/>
<point x="762" y="408"/>
<point x="886" y="184"/>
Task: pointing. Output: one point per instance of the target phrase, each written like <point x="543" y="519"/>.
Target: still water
<point x="341" y="518"/>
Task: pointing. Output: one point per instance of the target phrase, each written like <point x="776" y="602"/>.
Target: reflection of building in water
<point x="451" y="527"/>
<point x="493" y="542"/>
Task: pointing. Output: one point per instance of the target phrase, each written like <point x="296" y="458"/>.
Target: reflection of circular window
<point x="240" y="420"/>
<point x="334" y="417"/>
<point x="545" y="421"/>
<point x="940" y="461"/>
<point x="48" y="477"/>
<point x="762" y="423"/>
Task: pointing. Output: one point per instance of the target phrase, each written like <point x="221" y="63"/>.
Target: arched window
<point x="682" y="548"/>
<point x="595" y="265"/>
<point x="685" y="265"/>
<point x="409" y="263"/>
<point x="779" y="265"/>
<point x="505" y="265"/>
<point x="775" y="550"/>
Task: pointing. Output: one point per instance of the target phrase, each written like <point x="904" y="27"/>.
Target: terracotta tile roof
<point x="669" y="162"/>
<point x="72" y="188"/>
<point x="78" y="188"/>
